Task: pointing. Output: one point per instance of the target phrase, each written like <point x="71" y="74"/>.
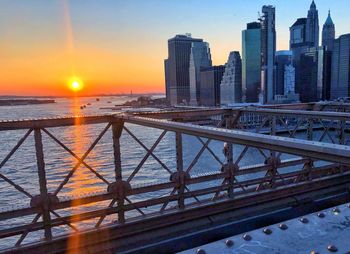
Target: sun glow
<point x="75" y="84"/>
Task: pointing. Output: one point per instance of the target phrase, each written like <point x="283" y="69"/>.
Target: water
<point x="22" y="168"/>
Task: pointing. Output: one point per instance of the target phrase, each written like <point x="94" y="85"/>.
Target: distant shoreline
<point x="9" y="97"/>
<point x="21" y="102"/>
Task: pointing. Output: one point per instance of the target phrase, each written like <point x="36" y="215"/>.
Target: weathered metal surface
<point x="322" y="232"/>
<point x="190" y="203"/>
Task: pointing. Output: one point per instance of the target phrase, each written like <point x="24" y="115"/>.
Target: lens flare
<point x="75" y="84"/>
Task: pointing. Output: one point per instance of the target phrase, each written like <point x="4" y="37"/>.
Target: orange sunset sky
<point x="115" y="46"/>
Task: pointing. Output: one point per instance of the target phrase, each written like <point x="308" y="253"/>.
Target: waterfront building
<point x="328" y="33"/>
<point x="167" y="81"/>
<point x="304" y="34"/>
<point x="315" y="75"/>
<point x="312" y="26"/>
<point x="283" y="58"/>
<point x="251" y="62"/>
<point x="268" y="49"/>
<point x="211" y="78"/>
<point x="340" y="84"/>
<point x="200" y="58"/>
<point x="177" y="68"/>
<point x="231" y="84"/>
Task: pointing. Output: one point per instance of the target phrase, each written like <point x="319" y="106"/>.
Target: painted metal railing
<point x="281" y="166"/>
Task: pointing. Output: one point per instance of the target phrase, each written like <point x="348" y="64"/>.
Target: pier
<point x="291" y="176"/>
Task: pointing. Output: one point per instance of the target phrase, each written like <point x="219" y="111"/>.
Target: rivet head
<point x="200" y="251"/>
<point x="304" y="220"/>
<point x="314" y="252"/>
<point x="283" y="226"/>
<point x="267" y="231"/>
<point x="348" y="205"/>
<point x="336" y="210"/>
<point x="247" y="237"/>
<point x="332" y="248"/>
<point x="321" y="215"/>
<point x="229" y="243"/>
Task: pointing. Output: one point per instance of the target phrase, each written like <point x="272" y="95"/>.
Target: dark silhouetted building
<point x="328" y="33"/>
<point x="340" y="85"/>
<point x="177" y="68"/>
<point x="251" y="62"/>
<point x="167" y="81"/>
<point x="312" y="26"/>
<point x="283" y="58"/>
<point x="268" y="49"/>
<point x="231" y="84"/>
<point x="210" y="85"/>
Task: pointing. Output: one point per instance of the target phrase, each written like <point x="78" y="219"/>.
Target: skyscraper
<point x="167" y="81"/>
<point x="312" y="26"/>
<point x="177" y="68"/>
<point x="268" y="49"/>
<point x="200" y="58"/>
<point x="231" y="84"/>
<point x="210" y="85"/>
<point x="251" y="62"/>
<point x="340" y="86"/>
<point x="283" y="59"/>
<point x="328" y="33"/>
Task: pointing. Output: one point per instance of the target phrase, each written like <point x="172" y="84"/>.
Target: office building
<point x="231" y="84"/>
<point x="251" y="62"/>
<point x="177" y="68"/>
<point x="211" y="78"/>
<point x="340" y="84"/>
<point x="268" y="49"/>
<point x="312" y="26"/>
<point x="200" y="58"/>
<point x="283" y="58"/>
<point x="328" y="33"/>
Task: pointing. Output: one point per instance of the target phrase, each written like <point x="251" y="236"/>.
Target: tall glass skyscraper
<point x="251" y="62"/>
<point x="340" y="86"/>
<point x="210" y="85"/>
<point x="268" y="49"/>
<point x="177" y="68"/>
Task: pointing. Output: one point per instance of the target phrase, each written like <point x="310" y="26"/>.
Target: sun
<point x="75" y="84"/>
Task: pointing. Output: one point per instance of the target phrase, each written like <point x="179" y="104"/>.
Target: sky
<point x="119" y="46"/>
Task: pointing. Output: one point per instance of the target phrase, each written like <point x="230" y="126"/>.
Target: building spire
<point x="313" y="5"/>
<point x="329" y="20"/>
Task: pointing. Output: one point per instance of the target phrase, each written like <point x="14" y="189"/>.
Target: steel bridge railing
<point x="273" y="166"/>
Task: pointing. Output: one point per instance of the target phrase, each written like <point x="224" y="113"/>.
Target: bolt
<point x="229" y="243"/>
<point x="247" y="237"/>
<point x="332" y="248"/>
<point x="336" y="210"/>
<point x="267" y="231"/>
<point x="283" y="226"/>
<point x="304" y="220"/>
<point x="200" y="251"/>
<point x="321" y="215"/>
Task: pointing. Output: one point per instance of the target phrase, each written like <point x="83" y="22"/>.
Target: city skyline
<point x="105" y="43"/>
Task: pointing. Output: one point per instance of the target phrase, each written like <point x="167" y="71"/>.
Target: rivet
<point x="200" y="251"/>
<point x="229" y="243"/>
<point x="332" y="248"/>
<point x="348" y="205"/>
<point x="321" y="215"/>
<point x="314" y="252"/>
<point x="336" y="210"/>
<point x="283" y="226"/>
<point x="267" y="231"/>
<point x="247" y="237"/>
<point x="304" y="220"/>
